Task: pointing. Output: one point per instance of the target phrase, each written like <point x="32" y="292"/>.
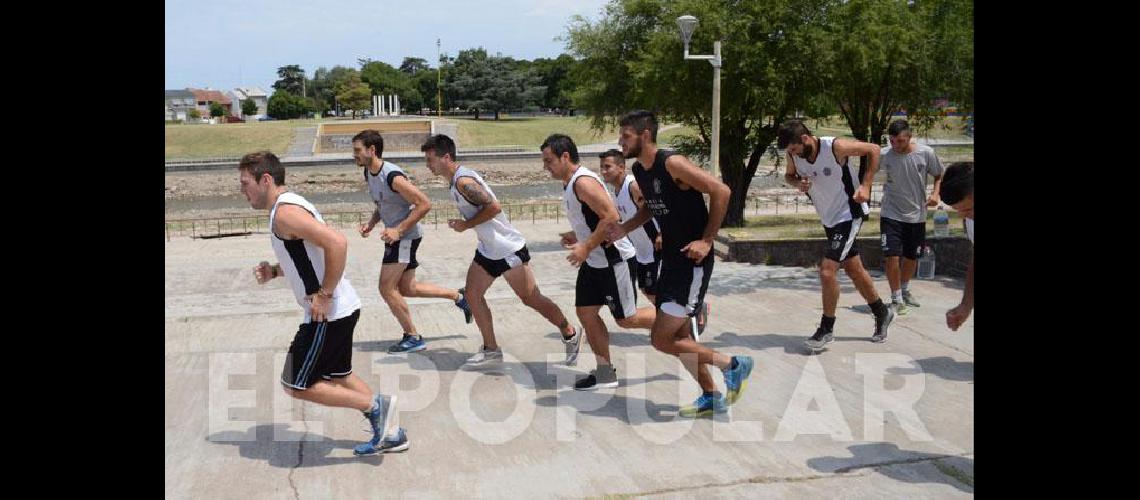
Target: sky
<point x="222" y="45"/>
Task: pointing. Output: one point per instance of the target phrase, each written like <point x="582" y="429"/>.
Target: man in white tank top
<point x="501" y="252"/>
<point x="820" y="167"/>
<point x="957" y="190"/>
<point x="606" y="269"/>
<point x="400" y="205"/>
<point x="312" y="258"/>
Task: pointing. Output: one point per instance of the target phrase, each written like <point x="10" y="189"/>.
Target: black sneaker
<point x="607" y="379"/>
<point x="819" y="339"/>
<point x="881" y="324"/>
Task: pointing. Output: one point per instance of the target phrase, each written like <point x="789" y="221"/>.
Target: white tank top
<point x="584" y="221"/>
<point x="303" y="265"/>
<point x="832" y="185"/>
<point x="638" y="237"/>
<point x="497" y="237"/>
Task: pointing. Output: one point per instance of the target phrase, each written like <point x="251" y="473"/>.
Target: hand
<point x="697" y="250"/>
<point x="862" y="194"/>
<point x="933" y="201"/>
<point x="365" y="229"/>
<point x="805" y="184"/>
<point x="578" y="254"/>
<point x="956" y="316"/>
<point x="569" y="239"/>
<point x="264" y="272"/>
<point x="458" y="225"/>
<point x="390" y="234"/>
<point x="657" y="243"/>
<point x="320" y="307"/>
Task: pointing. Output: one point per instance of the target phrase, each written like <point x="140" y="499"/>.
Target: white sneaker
<point x="573" y="347"/>
<point x="485" y="357"/>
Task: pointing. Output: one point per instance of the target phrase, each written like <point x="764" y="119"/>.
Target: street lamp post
<point x="438" y="81"/>
<point x="688" y="24"/>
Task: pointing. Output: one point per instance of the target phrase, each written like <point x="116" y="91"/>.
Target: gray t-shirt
<point x="905" y="193"/>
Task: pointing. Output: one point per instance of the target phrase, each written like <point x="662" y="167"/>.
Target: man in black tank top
<point x="673" y="186"/>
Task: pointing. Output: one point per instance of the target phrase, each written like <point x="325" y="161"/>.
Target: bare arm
<point x="411" y="194"/>
<point x="792" y="177"/>
<point x="595" y="196"/>
<point x="684" y="170"/>
<point x="935" y="198"/>
<point x="846" y="148"/>
<point x="475" y="193"/>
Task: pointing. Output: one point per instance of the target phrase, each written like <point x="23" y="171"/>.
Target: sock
<point x="827" y="323"/>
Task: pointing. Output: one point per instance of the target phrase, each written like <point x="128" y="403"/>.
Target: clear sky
<point x="222" y="45"/>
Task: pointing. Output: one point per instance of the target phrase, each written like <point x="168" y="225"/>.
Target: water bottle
<point x="941" y="223"/>
<point x="926" y="263"/>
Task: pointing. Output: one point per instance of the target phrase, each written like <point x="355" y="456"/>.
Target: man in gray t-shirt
<point x="903" y="217"/>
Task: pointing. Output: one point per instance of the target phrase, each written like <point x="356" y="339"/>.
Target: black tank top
<point x="681" y="214"/>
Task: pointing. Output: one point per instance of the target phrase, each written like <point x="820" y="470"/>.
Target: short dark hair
<point x="615" y="154"/>
<point x="641" y="120"/>
<point x="957" y="182"/>
<point x="897" y="127"/>
<point x="371" y="137"/>
<point x="790" y="132"/>
<point x="561" y="143"/>
<point x="261" y="163"/>
<point x="441" y="144"/>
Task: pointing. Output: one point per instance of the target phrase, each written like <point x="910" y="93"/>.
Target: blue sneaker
<point x="705" y="406"/>
<point x="463" y="306"/>
<point x="736" y="379"/>
<point x="409" y="343"/>
<point x="395" y="443"/>
<point x="378" y="419"/>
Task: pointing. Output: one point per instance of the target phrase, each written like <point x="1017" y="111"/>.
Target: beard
<point x="807" y="152"/>
<point x="634" y="149"/>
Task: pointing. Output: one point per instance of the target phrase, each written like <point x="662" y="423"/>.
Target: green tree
<point x="285" y="106"/>
<point x="248" y="107"/>
<point x="632" y="58"/>
<point x="290" y="79"/>
<point x="482" y="83"/>
<point x="413" y="65"/>
<point x="217" y="110"/>
<point x="354" y="94"/>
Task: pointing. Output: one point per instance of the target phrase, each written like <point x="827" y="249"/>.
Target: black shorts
<point x="647" y="276"/>
<point x="609" y="286"/>
<point x="902" y="238"/>
<point x="496" y="268"/>
<point x="681" y="286"/>
<point x="841" y="240"/>
<point x="320" y="350"/>
<point x="402" y="252"/>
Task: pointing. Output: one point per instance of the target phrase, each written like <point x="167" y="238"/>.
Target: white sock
<point x="896" y="296"/>
<point x="906" y="286"/>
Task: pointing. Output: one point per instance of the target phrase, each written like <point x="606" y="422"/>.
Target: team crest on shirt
<point x="826" y="170"/>
<point x="657" y="186"/>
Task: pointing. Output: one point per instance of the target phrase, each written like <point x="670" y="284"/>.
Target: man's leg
<point x="862" y="279"/>
<point x="596" y="332"/>
<point x="478" y="281"/>
<point x="352" y="383"/>
<point x="643" y="319"/>
<point x="521" y="279"/>
<point x="409" y="287"/>
<point x="326" y="393"/>
<point x="390" y="275"/>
